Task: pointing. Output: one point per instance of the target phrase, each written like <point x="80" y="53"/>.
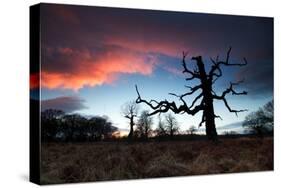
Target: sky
<point x="92" y="58"/>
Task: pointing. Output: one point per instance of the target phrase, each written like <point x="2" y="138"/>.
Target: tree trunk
<point x="208" y="113"/>
<point x="210" y="122"/>
<point x="130" y="136"/>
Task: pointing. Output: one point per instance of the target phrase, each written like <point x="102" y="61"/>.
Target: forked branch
<point x="216" y="70"/>
<point x="194" y="74"/>
<point x="230" y="90"/>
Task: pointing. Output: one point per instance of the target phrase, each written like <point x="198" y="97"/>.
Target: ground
<point x="79" y="162"/>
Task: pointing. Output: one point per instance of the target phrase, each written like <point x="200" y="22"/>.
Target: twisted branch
<point x="230" y="90"/>
<point x="217" y="64"/>
<point x="194" y="74"/>
<point x="164" y="106"/>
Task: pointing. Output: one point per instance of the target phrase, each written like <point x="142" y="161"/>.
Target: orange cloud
<point x="80" y="68"/>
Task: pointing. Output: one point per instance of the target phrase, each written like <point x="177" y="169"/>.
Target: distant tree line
<point x="58" y="126"/>
<point x="260" y="122"/>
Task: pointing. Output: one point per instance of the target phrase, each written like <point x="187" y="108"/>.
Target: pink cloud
<point x="80" y="68"/>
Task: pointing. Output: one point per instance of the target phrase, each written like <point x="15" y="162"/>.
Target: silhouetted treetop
<point x="261" y="121"/>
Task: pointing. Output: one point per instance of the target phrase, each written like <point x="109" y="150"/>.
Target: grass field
<point x="78" y="162"/>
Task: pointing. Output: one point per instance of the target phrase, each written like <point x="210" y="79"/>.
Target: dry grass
<point x="69" y="162"/>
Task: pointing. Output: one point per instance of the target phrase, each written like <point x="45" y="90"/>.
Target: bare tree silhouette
<point x="192" y="130"/>
<point x="144" y="125"/>
<point x="161" y="130"/>
<point x="207" y="94"/>
<point x="171" y="124"/>
<point x="130" y="111"/>
<point x="261" y="121"/>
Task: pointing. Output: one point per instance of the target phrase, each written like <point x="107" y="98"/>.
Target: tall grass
<point x="79" y="162"/>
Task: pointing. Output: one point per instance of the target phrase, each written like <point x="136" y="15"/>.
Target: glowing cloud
<point x="73" y="69"/>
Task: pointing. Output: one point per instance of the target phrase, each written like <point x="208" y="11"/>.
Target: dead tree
<point x="130" y="111"/>
<point x="171" y="125"/>
<point x="192" y="130"/>
<point x="207" y="95"/>
<point x="144" y="124"/>
<point x="161" y="130"/>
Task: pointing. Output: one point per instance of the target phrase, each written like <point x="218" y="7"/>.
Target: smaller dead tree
<point x="130" y="111"/>
<point x="171" y="124"/>
<point x="144" y="125"/>
<point x="192" y="130"/>
<point x="161" y="130"/>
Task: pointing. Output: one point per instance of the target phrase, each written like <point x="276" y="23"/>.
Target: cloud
<point x="236" y="126"/>
<point x="66" y="103"/>
<point x="173" y="70"/>
<point x="258" y="78"/>
<point x="166" y="45"/>
<point x="91" y="46"/>
<point x="70" y="68"/>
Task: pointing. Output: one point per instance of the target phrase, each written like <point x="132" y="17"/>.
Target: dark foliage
<point x="144" y="125"/>
<point x="261" y="121"/>
<point x="58" y="126"/>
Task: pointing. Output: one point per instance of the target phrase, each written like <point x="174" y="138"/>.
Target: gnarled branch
<point x="226" y="62"/>
<point x="196" y="99"/>
<point x="230" y="90"/>
<point x="164" y="106"/>
<point x="194" y="74"/>
<point x="192" y="90"/>
<point x="180" y="97"/>
<point x="217" y="64"/>
<point x="217" y="116"/>
<point x="215" y="67"/>
<point x="231" y="110"/>
<point x="202" y="120"/>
